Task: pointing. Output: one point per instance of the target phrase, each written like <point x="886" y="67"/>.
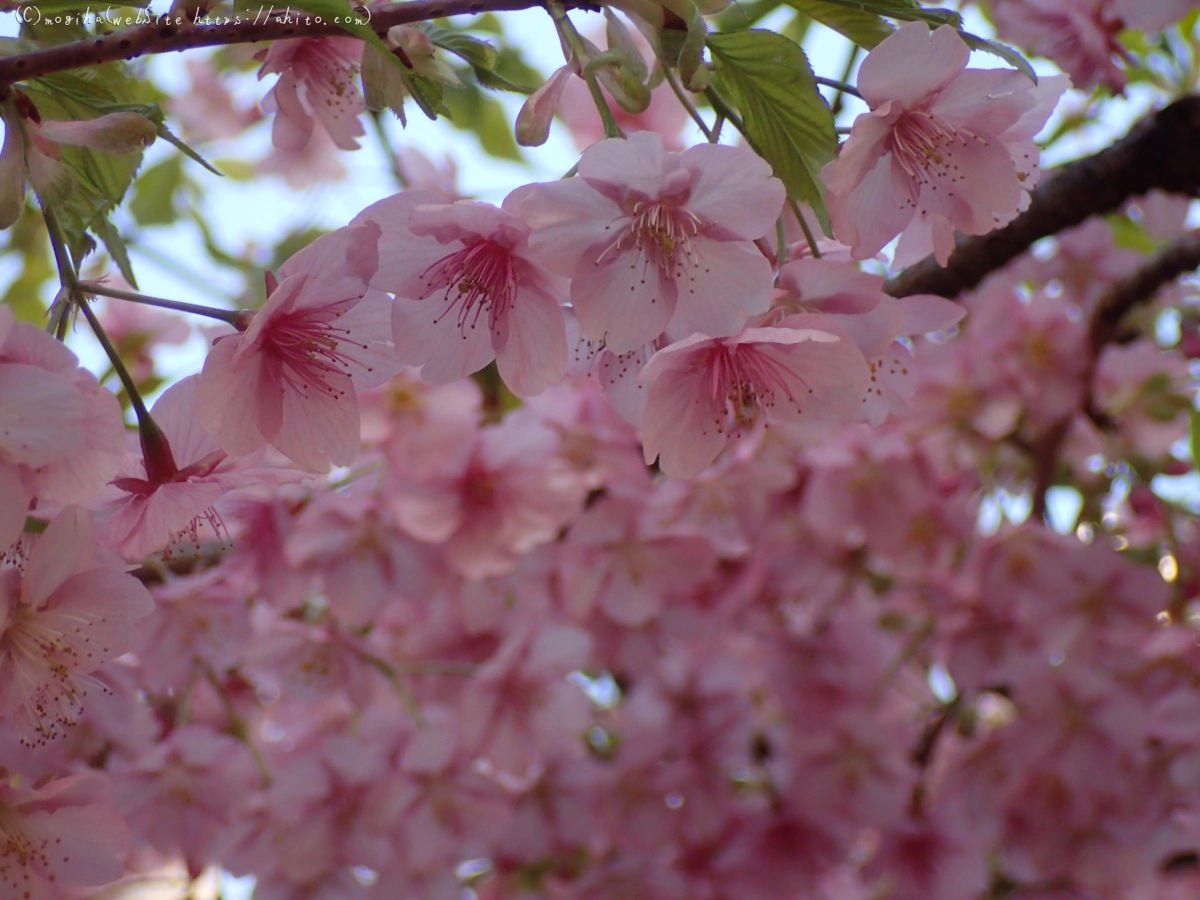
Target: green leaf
<point x="473" y="110"/>
<point x="478" y="53"/>
<point x="115" y="246"/>
<point x="785" y="118"/>
<point x="166" y="135"/>
<point x="154" y="193"/>
<point x="1128" y="233"/>
<point x="738" y="16"/>
<point x="28" y="239"/>
<point x="691" y="54"/>
<point x="96" y="181"/>
<point x="905" y="10"/>
<point x="498" y="82"/>
<point x="864" y="28"/>
<point x="1006" y="53"/>
<point x="382" y="86"/>
<point x="1194" y="437"/>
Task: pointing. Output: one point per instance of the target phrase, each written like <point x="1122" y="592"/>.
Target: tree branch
<point x="164" y="35"/>
<point x="1155" y="154"/>
<point x="1177" y="258"/>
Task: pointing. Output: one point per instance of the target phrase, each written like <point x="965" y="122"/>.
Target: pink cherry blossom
<point x="203" y="618"/>
<point x="1080" y="36"/>
<point x="317" y="163"/>
<point x="652" y="238"/>
<point x="57" y="835"/>
<point x="703" y="390"/>
<point x="1152" y="15"/>
<point x="495" y="499"/>
<point x="613" y="562"/>
<point x="182" y="792"/>
<point x="69" y="612"/>
<point x="169" y="490"/>
<point x="208" y="111"/>
<point x="61" y="434"/>
<point x="290" y="378"/>
<point x="468" y="291"/>
<point x="316" y="81"/>
<point x="522" y="694"/>
<point x="943" y="146"/>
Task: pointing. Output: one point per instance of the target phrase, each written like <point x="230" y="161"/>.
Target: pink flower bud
<point x="116" y="133"/>
<point x="533" y="121"/>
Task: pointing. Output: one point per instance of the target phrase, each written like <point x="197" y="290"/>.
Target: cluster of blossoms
<point x="703" y="610"/>
<point x="1082" y="36"/>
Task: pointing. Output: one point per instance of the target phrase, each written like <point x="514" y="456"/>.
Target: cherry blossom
<point x="315" y="83"/>
<point x="61" y="434"/>
<point x="58" y="835"/>
<point x="791" y="587"/>
<point x="1079" y="35"/>
<point x="171" y="488"/>
<point x="944" y="147"/>
<point x="69" y="612"/>
<point x="652" y="238"/>
<point x="493" y="500"/>
<point x="469" y="291"/>
<point x="705" y="390"/>
<point x="289" y="379"/>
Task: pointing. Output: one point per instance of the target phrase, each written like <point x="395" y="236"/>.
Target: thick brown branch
<point x="163" y="37"/>
<point x="1157" y="153"/>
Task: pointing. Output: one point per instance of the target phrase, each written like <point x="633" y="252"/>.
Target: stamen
<point x="744" y="381"/>
<point x="307" y="347"/>
<point x="660" y="231"/>
<point x="474" y="279"/>
<point x="919" y="142"/>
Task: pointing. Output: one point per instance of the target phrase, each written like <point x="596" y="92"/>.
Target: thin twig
<point x="842" y="86"/>
<point x="232" y="316"/>
<point x="687" y="104"/>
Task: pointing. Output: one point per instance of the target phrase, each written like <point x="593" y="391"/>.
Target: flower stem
<point x="808" y="235"/>
<point x="842" y="86"/>
<point x="571" y="38"/>
<point x="721" y="105"/>
<point x="135" y="398"/>
<point x="75" y="297"/>
<point x="688" y="105"/>
<point x="839" y="98"/>
<point x="232" y="316"/>
<point x="237" y="726"/>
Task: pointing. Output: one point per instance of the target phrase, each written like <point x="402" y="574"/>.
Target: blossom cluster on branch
<point x="627" y="537"/>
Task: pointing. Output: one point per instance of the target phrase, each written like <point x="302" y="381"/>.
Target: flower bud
<point x="116" y="133"/>
<point x="533" y="121"/>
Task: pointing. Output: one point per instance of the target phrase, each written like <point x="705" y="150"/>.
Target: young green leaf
<point x="115" y="246"/>
<point x="864" y="28"/>
<point x="784" y="116"/>
<point x="905" y="10"/>
<point x="1006" y="53"/>
<point x="1194" y="437"/>
<point x="154" y="193"/>
<point x="167" y="135"/>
